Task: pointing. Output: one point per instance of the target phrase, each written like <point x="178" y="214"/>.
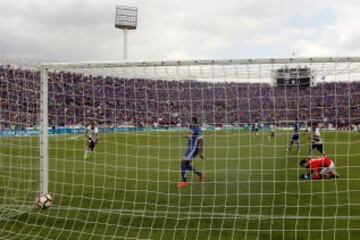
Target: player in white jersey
<point x="91" y="133"/>
<point x="316" y="142"/>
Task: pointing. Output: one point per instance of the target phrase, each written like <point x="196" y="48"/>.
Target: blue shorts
<point x="295" y="137"/>
<point x="190" y="154"/>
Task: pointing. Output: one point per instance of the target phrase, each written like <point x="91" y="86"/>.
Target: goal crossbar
<point x="202" y="62"/>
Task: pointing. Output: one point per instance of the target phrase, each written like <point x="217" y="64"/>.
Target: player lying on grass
<point x="92" y="135"/>
<point x="295" y="138"/>
<point x="316" y="142"/>
<point x="318" y="168"/>
<point x="195" y="147"/>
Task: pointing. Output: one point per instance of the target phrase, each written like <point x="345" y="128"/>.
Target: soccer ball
<point x="43" y="200"/>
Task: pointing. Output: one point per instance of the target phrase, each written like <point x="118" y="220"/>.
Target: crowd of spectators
<point x="77" y="99"/>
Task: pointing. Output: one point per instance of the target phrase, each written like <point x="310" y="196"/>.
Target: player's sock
<point x="184" y="168"/>
<point x="87" y="154"/>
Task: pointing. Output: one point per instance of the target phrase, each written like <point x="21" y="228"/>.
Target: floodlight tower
<point x="125" y="19"/>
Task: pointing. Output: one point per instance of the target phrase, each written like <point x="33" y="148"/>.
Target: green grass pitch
<point x="127" y="190"/>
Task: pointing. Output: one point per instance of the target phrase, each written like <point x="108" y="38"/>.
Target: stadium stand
<point x="78" y="99"/>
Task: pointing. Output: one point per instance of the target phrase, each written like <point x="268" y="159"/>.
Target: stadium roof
<point x="231" y="70"/>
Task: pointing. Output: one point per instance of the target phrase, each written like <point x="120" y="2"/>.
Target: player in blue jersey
<point x="295" y="138"/>
<point x="195" y="147"/>
<point x="254" y="129"/>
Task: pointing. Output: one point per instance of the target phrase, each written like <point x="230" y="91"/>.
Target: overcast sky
<point x="80" y="30"/>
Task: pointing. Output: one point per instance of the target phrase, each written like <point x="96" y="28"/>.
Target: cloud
<point x="78" y="30"/>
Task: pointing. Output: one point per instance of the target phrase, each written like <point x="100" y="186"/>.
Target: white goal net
<point x="116" y="145"/>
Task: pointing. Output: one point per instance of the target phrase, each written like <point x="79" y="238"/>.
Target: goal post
<point x="44" y="126"/>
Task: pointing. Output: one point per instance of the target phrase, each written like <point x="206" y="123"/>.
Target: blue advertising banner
<point x="64" y="130"/>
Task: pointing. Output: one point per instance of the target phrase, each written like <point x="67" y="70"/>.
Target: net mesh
<point x="127" y="188"/>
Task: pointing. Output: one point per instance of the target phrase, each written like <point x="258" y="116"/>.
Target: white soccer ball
<point x="43" y="200"/>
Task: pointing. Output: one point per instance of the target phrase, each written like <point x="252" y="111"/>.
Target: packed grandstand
<point x="76" y="99"/>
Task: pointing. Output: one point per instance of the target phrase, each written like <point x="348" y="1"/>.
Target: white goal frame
<point x="45" y="68"/>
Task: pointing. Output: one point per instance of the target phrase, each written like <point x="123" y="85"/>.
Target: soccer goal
<point x="107" y="143"/>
